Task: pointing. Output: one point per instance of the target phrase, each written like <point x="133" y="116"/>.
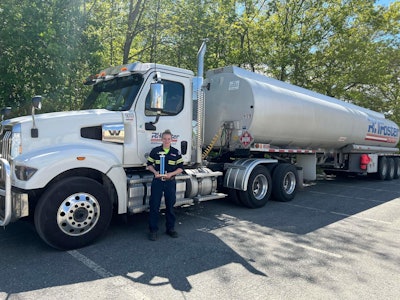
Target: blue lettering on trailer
<point x="379" y="127"/>
<point x="372" y="125"/>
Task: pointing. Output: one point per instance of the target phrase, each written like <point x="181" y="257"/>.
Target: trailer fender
<point x="237" y="174"/>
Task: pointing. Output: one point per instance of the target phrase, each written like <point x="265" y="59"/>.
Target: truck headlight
<point x="16" y="147"/>
<point x="24" y="173"/>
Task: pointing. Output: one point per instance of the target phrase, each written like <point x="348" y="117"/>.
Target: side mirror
<point x="157" y="96"/>
<point x="4" y="112"/>
<point x="156" y="100"/>
<point x="36" y="104"/>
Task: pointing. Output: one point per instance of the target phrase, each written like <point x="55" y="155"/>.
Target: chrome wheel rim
<point x="259" y="187"/>
<point x="78" y="214"/>
<point x="289" y="183"/>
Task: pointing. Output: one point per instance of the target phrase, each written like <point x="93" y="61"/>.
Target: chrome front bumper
<point x="13" y="205"/>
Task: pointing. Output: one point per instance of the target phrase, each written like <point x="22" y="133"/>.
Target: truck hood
<point x="55" y="129"/>
<point x="64" y="116"/>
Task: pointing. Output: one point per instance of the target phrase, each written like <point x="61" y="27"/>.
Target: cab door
<point x="175" y="116"/>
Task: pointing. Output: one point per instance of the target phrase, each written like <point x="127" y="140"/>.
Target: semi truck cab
<point x="127" y="90"/>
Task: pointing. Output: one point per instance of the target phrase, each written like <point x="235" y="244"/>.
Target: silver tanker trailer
<point x="261" y="117"/>
<point x="285" y="115"/>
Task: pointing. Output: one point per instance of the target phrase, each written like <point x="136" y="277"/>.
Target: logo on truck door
<point x="156" y="137"/>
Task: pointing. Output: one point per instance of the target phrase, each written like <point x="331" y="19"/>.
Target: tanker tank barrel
<point x="288" y="116"/>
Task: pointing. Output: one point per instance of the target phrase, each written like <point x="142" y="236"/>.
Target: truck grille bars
<point x="5" y="145"/>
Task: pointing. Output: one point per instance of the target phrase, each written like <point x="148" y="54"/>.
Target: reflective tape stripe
<point x="173" y="163"/>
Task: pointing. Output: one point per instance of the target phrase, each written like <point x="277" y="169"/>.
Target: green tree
<point x="345" y="49"/>
<point x="45" y="50"/>
<point x="348" y="49"/>
<point x="359" y="61"/>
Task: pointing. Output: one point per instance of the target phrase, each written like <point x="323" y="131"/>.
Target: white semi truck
<point x="241" y="134"/>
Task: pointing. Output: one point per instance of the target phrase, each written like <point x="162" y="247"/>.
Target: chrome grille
<point x="5" y="145"/>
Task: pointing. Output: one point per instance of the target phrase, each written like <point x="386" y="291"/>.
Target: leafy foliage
<point x="348" y="49"/>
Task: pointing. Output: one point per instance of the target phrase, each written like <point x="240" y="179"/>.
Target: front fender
<point x="53" y="161"/>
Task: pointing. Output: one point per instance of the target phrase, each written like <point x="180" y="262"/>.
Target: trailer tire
<point x="258" y="188"/>
<point x="391" y="169"/>
<point x="382" y="168"/>
<point x="73" y="213"/>
<point x="284" y="182"/>
<point x="396" y="167"/>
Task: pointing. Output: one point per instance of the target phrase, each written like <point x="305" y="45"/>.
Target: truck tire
<point x="391" y="169"/>
<point x="73" y="213"/>
<point x="258" y="188"/>
<point x="234" y="197"/>
<point x="284" y="182"/>
<point x="396" y="167"/>
<point x="382" y="168"/>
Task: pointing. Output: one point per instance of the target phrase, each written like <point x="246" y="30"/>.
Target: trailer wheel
<point x="391" y="169"/>
<point x="72" y="213"/>
<point x="396" y="167"/>
<point x="382" y="168"/>
<point x="284" y="182"/>
<point x="258" y="188"/>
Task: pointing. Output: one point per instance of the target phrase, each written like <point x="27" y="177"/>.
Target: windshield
<point x="116" y="94"/>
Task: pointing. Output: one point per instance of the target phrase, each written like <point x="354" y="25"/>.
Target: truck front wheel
<point x="258" y="188"/>
<point x="72" y="213"/>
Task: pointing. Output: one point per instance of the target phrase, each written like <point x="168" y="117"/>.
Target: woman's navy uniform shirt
<point x="173" y="159"/>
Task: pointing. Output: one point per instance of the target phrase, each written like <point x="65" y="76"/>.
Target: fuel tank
<point x="288" y="116"/>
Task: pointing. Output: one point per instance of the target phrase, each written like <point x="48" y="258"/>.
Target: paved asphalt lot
<point x="339" y="239"/>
